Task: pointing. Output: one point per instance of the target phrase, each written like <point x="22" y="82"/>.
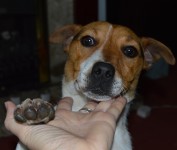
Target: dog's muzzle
<point x="101" y="78"/>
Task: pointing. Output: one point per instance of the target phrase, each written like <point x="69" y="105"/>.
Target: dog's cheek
<point x="73" y="61"/>
<point x="131" y="70"/>
<point x="68" y="71"/>
<point x="72" y="67"/>
<point x="76" y="56"/>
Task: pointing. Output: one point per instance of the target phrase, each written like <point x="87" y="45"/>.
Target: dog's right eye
<point x="88" y="41"/>
<point x="130" y="51"/>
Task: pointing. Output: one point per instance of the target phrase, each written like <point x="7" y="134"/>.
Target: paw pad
<point x="34" y="111"/>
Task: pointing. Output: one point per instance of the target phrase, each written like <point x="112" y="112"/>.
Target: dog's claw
<point x="34" y="111"/>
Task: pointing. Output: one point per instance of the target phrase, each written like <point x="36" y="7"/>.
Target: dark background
<point x="24" y="58"/>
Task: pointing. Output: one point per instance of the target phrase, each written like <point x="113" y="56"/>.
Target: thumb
<point x="10" y="122"/>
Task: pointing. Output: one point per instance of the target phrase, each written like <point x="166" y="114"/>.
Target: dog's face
<point x="105" y="60"/>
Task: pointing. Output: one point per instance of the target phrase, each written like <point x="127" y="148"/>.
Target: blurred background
<point x="31" y="67"/>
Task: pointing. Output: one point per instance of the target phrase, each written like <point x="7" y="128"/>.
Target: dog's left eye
<point x="130" y="51"/>
<point x="88" y="41"/>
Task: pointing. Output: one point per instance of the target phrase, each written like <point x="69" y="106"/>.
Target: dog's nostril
<point x="103" y="70"/>
<point x="109" y="74"/>
<point x="97" y="71"/>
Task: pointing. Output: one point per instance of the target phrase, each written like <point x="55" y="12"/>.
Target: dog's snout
<point x="102" y="70"/>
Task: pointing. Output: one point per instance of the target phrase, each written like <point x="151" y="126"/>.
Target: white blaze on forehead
<point x="96" y="56"/>
<point x="107" y="36"/>
<point x="87" y="64"/>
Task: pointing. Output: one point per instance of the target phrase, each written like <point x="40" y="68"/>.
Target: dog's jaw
<point x="116" y="89"/>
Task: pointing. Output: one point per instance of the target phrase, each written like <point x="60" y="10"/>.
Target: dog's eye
<point x="88" y="41"/>
<point x="130" y="51"/>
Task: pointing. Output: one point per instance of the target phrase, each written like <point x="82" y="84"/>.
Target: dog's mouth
<point x="96" y="97"/>
<point x="102" y="96"/>
<point x="98" y="94"/>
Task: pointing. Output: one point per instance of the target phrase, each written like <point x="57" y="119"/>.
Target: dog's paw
<point x="35" y="111"/>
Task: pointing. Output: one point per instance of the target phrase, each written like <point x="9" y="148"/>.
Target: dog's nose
<point x="102" y="70"/>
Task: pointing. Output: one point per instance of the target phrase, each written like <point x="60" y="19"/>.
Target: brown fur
<point x="128" y="69"/>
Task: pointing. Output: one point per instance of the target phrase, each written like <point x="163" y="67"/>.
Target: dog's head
<point x="105" y="60"/>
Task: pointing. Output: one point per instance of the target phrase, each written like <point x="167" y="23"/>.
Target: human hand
<point x="70" y="130"/>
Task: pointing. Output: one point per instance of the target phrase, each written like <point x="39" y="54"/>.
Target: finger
<point x="10" y="122"/>
<point x="103" y="106"/>
<point x="117" y="107"/>
<point x="90" y="106"/>
<point x="65" y="103"/>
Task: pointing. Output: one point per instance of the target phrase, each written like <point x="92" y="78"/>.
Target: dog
<point x="104" y="62"/>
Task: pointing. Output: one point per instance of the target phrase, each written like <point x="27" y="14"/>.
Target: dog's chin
<point x="99" y="98"/>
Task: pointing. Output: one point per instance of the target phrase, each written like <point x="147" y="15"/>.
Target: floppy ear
<point x="64" y="34"/>
<point x="154" y="50"/>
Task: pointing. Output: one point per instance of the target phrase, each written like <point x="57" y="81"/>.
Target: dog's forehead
<point x="100" y="28"/>
<point x="111" y="38"/>
<point x="95" y="29"/>
<point x="105" y="32"/>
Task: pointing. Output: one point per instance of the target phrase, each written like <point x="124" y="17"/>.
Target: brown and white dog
<point x="104" y="62"/>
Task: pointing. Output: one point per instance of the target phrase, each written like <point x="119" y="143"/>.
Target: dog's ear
<point x="64" y="34"/>
<point x="154" y="50"/>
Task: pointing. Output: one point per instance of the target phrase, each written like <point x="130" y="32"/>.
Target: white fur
<point x="86" y="67"/>
<point x="74" y="88"/>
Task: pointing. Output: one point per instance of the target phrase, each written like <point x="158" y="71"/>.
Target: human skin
<point x="70" y="130"/>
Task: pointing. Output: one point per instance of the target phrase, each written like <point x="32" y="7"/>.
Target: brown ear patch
<point x="154" y="50"/>
<point x="63" y="34"/>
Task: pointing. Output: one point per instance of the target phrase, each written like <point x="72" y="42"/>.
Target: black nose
<point x="102" y="70"/>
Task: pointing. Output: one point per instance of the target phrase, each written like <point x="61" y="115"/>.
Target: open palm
<point x="70" y="130"/>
